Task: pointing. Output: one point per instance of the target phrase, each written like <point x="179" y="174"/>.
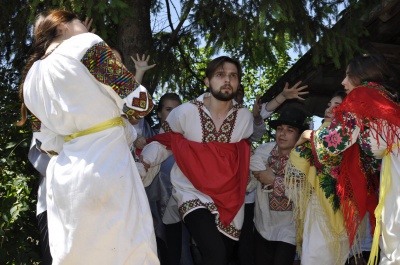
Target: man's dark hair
<point x="219" y="62"/>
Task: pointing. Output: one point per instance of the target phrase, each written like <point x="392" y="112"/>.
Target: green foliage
<point x="18" y="226"/>
<point x="257" y="32"/>
<point x="18" y="185"/>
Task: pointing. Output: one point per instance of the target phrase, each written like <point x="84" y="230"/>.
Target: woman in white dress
<point x="77" y="92"/>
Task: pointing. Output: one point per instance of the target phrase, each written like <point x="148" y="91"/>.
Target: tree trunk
<point x="135" y="36"/>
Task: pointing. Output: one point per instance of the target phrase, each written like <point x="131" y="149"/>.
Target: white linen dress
<point x="98" y="212"/>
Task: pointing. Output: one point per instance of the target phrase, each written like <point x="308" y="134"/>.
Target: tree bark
<point x="135" y="35"/>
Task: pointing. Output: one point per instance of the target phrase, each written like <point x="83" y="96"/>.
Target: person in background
<point x="172" y="238"/>
<point x="365" y="128"/>
<point x="39" y="162"/>
<point x="98" y="212"/>
<point x="175" y="235"/>
<point x="275" y="234"/>
<point x="245" y="248"/>
<point x="321" y="236"/>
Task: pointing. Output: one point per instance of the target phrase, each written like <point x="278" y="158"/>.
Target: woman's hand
<point x="295" y="92"/>
<point x="304" y="137"/>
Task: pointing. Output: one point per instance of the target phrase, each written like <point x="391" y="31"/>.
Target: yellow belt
<point x="97" y="128"/>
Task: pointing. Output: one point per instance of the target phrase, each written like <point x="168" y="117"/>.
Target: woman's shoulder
<point x="77" y="46"/>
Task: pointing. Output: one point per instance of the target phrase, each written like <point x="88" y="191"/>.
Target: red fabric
<point x="219" y="170"/>
<point x="356" y="196"/>
<point x="357" y="189"/>
<point x="371" y="102"/>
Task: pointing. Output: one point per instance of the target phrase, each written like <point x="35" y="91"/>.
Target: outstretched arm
<point x="287" y="93"/>
<point x="141" y="66"/>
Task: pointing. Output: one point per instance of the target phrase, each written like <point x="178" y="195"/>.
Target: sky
<point x="175" y="9"/>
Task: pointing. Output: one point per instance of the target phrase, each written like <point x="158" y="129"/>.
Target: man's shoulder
<point x="242" y="110"/>
<point x="185" y="108"/>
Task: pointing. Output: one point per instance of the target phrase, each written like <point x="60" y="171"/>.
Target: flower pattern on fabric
<point x="327" y="173"/>
<point x="105" y="67"/>
<point x="333" y="139"/>
<point x="210" y="132"/>
<point x="191" y="205"/>
<point x="329" y="152"/>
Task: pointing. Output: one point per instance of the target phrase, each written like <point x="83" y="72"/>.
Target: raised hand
<point x="88" y="24"/>
<point x="295" y="91"/>
<point x="141" y="66"/>
<point x="257" y="110"/>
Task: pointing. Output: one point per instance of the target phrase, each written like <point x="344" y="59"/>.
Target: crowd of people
<point x="193" y="190"/>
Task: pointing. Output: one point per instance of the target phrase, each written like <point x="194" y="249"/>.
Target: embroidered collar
<point x="277" y="162"/>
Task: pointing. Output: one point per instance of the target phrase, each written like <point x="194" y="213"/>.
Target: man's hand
<point x="266" y="177"/>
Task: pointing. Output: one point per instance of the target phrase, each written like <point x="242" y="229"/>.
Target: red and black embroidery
<point x="277" y="199"/>
<point x="188" y="206"/>
<point x="209" y="131"/>
<point x="166" y="127"/>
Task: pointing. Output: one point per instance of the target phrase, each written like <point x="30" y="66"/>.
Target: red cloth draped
<point x="219" y="170"/>
<point x="357" y="189"/>
<point x="357" y="195"/>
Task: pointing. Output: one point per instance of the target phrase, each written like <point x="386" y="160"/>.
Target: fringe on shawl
<point x="360" y="109"/>
<point x="300" y="191"/>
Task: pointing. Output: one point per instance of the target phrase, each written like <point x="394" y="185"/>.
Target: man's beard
<point x="221" y="95"/>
